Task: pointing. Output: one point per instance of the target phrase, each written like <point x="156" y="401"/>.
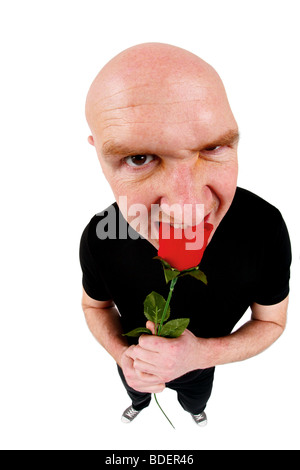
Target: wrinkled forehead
<point x="149" y="103"/>
<point x="124" y="83"/>
<point x="177" y="107"/>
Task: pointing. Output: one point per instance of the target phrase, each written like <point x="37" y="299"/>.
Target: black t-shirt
<point x="247" y="260"/>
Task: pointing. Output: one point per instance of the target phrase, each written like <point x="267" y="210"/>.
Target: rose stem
<point x="163" y="410"/>
<point x="173" y="282"/>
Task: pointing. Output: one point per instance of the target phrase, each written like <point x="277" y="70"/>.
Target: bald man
<point x="166" y="137"/>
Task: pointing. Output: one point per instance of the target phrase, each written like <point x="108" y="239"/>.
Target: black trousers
<point x="193" y="390"/>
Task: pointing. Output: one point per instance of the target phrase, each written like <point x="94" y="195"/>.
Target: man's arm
<point x="171" y="358"/>
<point x="104" y="322"/>
<point x="265" y="327"/>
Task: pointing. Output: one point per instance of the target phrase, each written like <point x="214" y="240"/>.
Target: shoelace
<point x="199" y="416"/>
<point x="131" y="412"/>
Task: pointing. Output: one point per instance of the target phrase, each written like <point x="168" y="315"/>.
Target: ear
<point x="91" y="140"/>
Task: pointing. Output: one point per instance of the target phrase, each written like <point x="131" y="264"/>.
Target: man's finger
<point x="149" y="383"/>
<point x="142" y="354"/>
<point x="152" y="343"/>
<point x="129" y="350"/>
<point x="148" y="378"/>
<point x="151" y="326"/>
<point x="144" y="367"/>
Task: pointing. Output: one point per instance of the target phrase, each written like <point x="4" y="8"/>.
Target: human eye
<point x="137" y="161"/>
<point x="213" y="149"/>
<point x="215" y="152"/>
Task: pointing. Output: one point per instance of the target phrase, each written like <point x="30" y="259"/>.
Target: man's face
<point x="167" y="143"/>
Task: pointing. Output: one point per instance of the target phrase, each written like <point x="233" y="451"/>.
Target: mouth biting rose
<point x="175" y="248"/>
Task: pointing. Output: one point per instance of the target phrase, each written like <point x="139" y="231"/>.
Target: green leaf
<point x="197" y="274"/>
<point x="137" y="332"/>
<point x="169" y="272"/>
<point x="154" y="305"/>
<point x="164" y="262"/>
<point x="174" y="328"/>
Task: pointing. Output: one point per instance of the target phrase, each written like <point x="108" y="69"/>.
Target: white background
<point x="59" y="388"/>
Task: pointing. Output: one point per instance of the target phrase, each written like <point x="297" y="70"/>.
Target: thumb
<point x="151" y="326"/>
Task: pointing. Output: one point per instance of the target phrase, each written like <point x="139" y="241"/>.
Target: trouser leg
<point x="139" y="400"/>
<point x="194" y="389"/>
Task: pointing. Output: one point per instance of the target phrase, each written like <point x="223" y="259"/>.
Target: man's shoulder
<point x="251" y="218"/>
<point x="107" y="230"/>
<point x="109" y="216"/>
<point x="244" y="196"/>
<point x="253" y="208"/>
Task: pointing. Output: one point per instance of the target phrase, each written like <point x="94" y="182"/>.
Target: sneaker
<point x="200" y="419"/>
<point x="129" y="414"/>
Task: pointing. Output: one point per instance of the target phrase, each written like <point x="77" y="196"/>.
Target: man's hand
<point x="138" y="380"/>
<point x="169" y="358"/>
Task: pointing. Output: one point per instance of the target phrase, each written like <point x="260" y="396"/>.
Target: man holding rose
<point x="166" y="137"/>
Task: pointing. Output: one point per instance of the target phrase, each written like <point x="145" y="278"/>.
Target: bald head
<point x="150" y="68"/>
<point x="164" y="132"/>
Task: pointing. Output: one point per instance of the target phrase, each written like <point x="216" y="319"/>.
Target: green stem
<point x="163" y="410"/>
<point x="173" y="282"/>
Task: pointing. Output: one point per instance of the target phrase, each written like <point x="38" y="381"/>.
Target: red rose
<point x="176" y="249"/>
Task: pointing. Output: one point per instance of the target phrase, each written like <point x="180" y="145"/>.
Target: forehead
<point x="181" y="114"/>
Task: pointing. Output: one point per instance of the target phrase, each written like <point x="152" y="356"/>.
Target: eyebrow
<point x="112" y="148"/>
<point x="230" y="137"/>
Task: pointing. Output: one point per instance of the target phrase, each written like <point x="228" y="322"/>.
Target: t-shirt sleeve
<point x="273" y="279"/>
<point x="92" y="281"/>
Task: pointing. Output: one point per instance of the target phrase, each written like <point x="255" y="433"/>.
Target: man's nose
<point x="185" y="193"/>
